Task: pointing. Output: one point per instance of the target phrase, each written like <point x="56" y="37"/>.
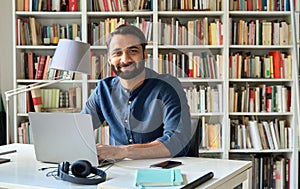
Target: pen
<point x="7" y="152"/>
<point x="199" y="181"/>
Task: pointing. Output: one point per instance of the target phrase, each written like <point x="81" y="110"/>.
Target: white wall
<point x="6" y="68"/>
<point x="6" y="57"/>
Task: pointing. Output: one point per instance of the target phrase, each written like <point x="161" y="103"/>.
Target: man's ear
<point x="145" y="54"/>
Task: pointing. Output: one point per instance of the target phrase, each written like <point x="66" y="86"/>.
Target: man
<point x="147" y="112"/>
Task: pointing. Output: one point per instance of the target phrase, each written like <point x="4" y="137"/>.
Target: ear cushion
<point x="81" y="168"/>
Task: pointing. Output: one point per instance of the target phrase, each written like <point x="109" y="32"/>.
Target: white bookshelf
<point x="85" y="16"/>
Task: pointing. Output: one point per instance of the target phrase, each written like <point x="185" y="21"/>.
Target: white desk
<point x="22" y="171"/>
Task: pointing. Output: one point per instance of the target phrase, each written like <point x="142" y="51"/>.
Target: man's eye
<point x="132" y="51"/>
<point x="117" y="53"/>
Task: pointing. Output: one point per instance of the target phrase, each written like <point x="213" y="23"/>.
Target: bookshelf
<point x="297" y="25"/>
<point x="256" y="89"/>
<point x="210" y="52"/>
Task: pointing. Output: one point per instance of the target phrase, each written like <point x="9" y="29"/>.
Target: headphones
<point x="80" y="170"/>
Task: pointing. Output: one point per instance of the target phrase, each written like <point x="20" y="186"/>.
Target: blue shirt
<point x="156" y="110"/>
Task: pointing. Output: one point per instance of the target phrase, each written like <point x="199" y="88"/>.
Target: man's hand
<point x="153" y="149"/>
<point x="111" y="152"/>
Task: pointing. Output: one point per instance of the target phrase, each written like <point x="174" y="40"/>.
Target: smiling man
<point x="147" y="112"/>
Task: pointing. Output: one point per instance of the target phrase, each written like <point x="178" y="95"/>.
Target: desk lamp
<point x="69" y="55"/>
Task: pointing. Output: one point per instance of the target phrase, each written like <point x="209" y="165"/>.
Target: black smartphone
<point x="166" y="164"/>
<point x="4" y="160"/>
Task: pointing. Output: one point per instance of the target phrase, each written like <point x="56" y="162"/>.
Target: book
<point x="20" y="5"/>
<point x="254" y="135"/>
<point x="40" y="67"/>
<point x="158" y="177"/>
<point x="73" y="5"/>
<point x="30" y="65"/>
<point x="37" y="100"/>
<point x="266" y="33"/>
<point x="277" y="63"/>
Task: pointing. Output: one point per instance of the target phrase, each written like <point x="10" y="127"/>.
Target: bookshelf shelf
<point x="256" y="80"/>
<point x="190" y="13"/>
<point x="253" y="151"/>
<point x="157" y="47"/>
<point x="264" y="114"/>
<point x="46" y="81"/>
<point x="197" y="80"/>
<point x="31" y="47"/>
<point x="267" y="47"/>
<point x="210" y="151"/>
<point x="68" y="15"/>
<point x="266" y="14"/>
<point x="195" y="47"/>
<point x="119" y="14"/>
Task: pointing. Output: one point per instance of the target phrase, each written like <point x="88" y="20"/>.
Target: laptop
<point x="59" y="137"/>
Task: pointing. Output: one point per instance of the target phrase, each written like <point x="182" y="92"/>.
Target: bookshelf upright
<point x="218" y="41"/>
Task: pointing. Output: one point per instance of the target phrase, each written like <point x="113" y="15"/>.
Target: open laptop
<point x="59" y="137"/>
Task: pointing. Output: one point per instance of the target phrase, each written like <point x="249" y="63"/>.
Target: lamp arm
<point x="16" y="91"/>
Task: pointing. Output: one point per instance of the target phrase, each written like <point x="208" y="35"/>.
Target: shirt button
<point x="130" y="140"/>
<point x="126" y="121"/>
<point x="129" y="102"/>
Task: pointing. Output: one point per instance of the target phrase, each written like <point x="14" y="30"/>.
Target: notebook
<point x="158" y="177"/>
<point x="59" y="137"/>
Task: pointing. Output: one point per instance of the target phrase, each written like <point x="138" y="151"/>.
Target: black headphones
<point x="80" y="170"/>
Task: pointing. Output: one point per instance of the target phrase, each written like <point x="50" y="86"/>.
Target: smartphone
<point x="166" y="164"/>
<point x="4" y="160"/>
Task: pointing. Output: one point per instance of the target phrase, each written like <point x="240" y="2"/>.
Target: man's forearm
<point x="154" y="149"/>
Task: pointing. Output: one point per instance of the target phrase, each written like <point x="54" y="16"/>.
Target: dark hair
<point x="127" y="30"/>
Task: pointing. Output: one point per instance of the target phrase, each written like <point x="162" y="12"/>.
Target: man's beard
<point x="129" y="74"/>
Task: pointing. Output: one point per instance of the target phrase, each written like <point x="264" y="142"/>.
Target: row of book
<point x="268" y="170"/>
<point x="260" y="98"/>
<point x="201" y="31"/>
<point x="261" y="135"/>
<point x="33" y="66"/>
<point x="275" y="64"/>
<point x="24" y="133"/>
<point x="119" y="5"/>
<point x="99" y="66"/>
<point x="29" y="31"/>
<point x="260" y="32"/>
<point x="204" y="99"/>
<point x="262" y="5"/>
<point x="180" y="64"/>
<point x="47" y="5"/>
<point x="57" y="98"/>
<point x="53" y="99"/>
<point x="191" y="64"/>
<point x="210" y="134"/>
<point x="97" y="31"/>
<point x="171" y="31"/>
<point x="192" y="5"/>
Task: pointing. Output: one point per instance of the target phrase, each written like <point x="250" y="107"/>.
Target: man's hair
<point x="127" y="30"/>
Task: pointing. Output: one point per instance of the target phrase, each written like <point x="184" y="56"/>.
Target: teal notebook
<point x="159" y="177"/>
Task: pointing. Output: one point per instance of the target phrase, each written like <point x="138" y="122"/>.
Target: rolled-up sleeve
<point x="177" y="119"/>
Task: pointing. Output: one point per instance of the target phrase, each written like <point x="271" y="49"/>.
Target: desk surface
<point x="22" y="171"/>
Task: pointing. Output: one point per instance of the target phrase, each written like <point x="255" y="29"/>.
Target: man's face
<point x="126" y="56"/>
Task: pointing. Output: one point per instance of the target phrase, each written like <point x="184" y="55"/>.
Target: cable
<point x="44" y="168"/>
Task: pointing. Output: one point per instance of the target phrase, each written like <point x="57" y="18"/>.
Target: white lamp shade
<point x="71" y="55"/>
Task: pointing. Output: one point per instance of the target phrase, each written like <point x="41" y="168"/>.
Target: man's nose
<point x="125" y="57"/>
